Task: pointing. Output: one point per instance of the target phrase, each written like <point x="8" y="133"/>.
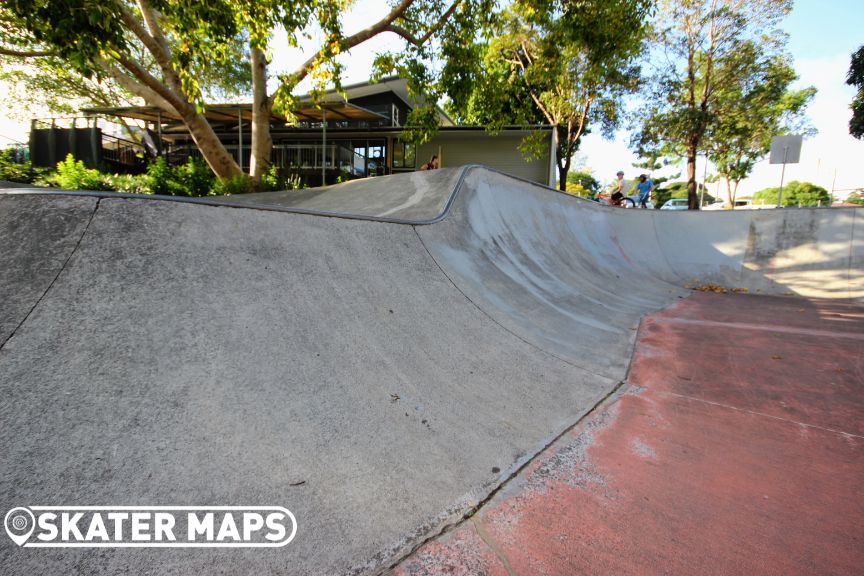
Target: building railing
<point x="119" y="151"/>
<point x="317" y="156"/>
<point x="290" y="156"/>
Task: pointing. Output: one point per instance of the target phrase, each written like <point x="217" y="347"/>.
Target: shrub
<point x="795" y="194"/>
<point x="160" y="178"/>
<point x="73" y="175"/>
<point x="14" y="168"/>
<point x="127" y="183"/>
<point x="241" y="184"/>
<point x="276" y="179"/>
<point x="856" y="198"/>
<point x="193" y="179"/>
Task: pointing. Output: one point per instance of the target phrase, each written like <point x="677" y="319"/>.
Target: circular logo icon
<point x="19" y="523"/>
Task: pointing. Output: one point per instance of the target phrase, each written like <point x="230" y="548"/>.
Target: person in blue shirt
<point x="645" y="188"/>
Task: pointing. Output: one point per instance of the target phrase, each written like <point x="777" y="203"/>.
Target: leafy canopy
<point x="702" y="42"/>
<point x="856" y="78"/>
<point x="795" y="194"/>
<point x="749" y="112"/>
<point x="565" y="64"/>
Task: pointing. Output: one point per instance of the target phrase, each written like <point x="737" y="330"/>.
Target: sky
<point x="822" y="36"/>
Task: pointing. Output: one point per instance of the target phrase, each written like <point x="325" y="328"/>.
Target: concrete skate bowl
<point x="378" y="373"/>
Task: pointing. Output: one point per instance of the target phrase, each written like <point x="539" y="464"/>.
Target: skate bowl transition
<point x="378" y="357"/>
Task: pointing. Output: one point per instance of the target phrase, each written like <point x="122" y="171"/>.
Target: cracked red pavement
<point x="735" y="447"/>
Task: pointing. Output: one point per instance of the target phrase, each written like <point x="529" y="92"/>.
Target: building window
<point x="404" y="154"/>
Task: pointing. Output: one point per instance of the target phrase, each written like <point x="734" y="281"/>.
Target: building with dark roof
<point x="355" y="136"/>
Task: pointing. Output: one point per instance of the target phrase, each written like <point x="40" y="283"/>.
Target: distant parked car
<point x="739" y="205"/>
<point x="675" y="204"/>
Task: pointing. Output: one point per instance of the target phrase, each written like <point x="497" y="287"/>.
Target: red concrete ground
<point x="735" y="447"/>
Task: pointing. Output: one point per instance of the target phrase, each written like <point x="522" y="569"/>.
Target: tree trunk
<point x="692" y="196"/>
<point x="221" y="162"/>
<point x="563" y="157"/>
<point x="262" y="143"/>
<point x="562" y="175"/>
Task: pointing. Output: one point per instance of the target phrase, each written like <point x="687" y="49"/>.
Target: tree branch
<point x="23" y="53"/>
<point x="383" y="25"/>
<point x="356" y="39"/>
<point x="137" y="88"/>
<point x="177" y="103"/>
<point x="153" y="25"/>
<point x="159" y="52"/>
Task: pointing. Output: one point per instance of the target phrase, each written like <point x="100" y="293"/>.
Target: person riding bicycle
<point x="617" y="196"/>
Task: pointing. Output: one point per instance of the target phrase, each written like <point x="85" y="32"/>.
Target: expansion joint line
<point x="56" y="276"/>
<point x="492" y="545"/>
<point x="763" y="415"/>
<point x="850" y="270"/>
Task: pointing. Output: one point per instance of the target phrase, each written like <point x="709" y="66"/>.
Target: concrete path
<point x="380" y="374"/>
<point x="734" y="447"/>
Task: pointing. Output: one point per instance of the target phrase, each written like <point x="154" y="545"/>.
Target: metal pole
<point x="324" y="146"/>
<point x="159" y="132"/>
<point x="240" y="139"/>
<point x="782" y="174"/>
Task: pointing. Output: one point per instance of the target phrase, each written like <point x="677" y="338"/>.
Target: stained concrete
<point x="734" y="448"/>
<point x="378" y="379"/>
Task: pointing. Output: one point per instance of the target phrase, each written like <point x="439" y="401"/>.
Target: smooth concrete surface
<point x="378" y="379"/>
<point x="734" y="448"/>
<point x="413" y="196"/>
<point x="37" y="235"/>
<point x="200" y="355"/>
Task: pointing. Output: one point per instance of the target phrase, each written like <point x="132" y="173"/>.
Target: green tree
<point x="165" y="51"/>
<point x="856" y="78"/>
<point x="677" y="190"/>
<point x="856" y="198"/>
<point x="582" y="183"/>
<point x="747" y="114"/>
<point x="701" y="39"/>
<point x="566" y="64"/>
<point x="795" y="194"/>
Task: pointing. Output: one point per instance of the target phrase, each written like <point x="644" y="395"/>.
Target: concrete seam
<point x="851" y="252"/>
<point x="663" y="252"/>
<point x="608" y="398"/>
<point x="492" y="545"/>
<point x="755" y="413"/>
<point x="762" y="327"/>
<point x="496" y="322"/>
<point x="54" y="280"/>
<point x="742" y="266"/>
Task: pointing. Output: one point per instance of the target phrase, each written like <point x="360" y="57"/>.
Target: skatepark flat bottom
<point x="735" y="446"/>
